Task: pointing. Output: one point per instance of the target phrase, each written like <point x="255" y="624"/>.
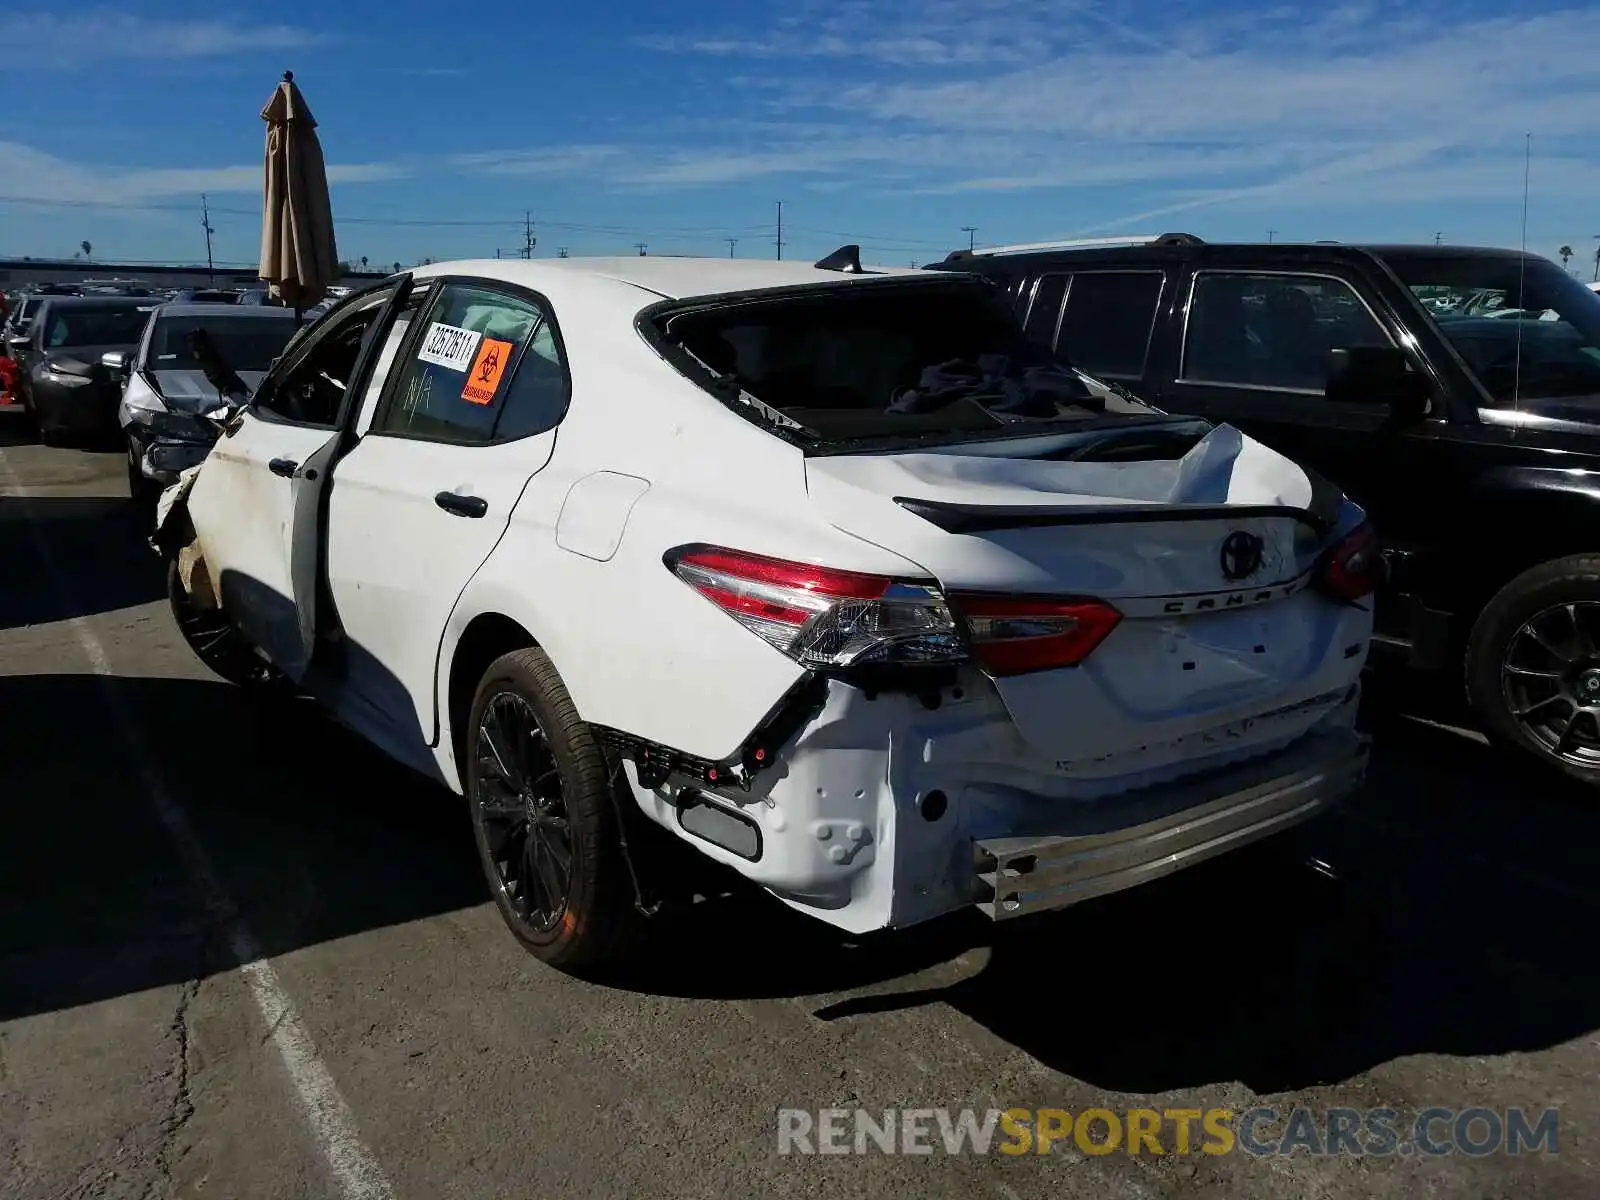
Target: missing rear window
<point x="884" y="361"/>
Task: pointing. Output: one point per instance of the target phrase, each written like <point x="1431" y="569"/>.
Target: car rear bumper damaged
<point x="886" y="809"/>
<point x="1176" y="827"/>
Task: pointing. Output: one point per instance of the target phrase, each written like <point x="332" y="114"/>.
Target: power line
<point x="780" y="229"/>
<point x="528" y="240"/>
<point x="732" y="242"/>
<point x="972" y="236"/>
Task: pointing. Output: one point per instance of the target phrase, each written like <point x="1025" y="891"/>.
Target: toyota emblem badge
<point x="1241" y="555"/>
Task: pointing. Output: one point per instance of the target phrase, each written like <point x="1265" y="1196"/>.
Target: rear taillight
<point x="1015" y="635"/>
<point x="822" y="617"/>
<point x="1353" y="567"/>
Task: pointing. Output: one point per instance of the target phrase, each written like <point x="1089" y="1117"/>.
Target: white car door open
<point x="255" y="504"/>
<point x="467" y="416"/>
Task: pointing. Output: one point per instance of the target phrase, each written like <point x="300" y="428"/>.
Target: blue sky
<point x="890" y="124"/>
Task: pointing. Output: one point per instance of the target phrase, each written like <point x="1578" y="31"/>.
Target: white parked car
<point x="824" y="571"/>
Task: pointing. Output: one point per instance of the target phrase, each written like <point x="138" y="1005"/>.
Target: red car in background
<point x="8" y="366"/>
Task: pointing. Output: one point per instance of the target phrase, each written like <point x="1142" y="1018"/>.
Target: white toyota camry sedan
<point x="823" y="571"/>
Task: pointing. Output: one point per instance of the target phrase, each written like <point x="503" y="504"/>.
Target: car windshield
<point x="887" y="360"/>
<point x="95" y="325"/>
<point x="1526" y="328"/>
<point x="246" y="342"/>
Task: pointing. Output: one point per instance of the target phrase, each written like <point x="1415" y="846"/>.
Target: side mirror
<point x="116" y="361"/>
<point x="1377" y="375"/>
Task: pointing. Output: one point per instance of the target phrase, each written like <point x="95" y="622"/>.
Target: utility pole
<point x="1271" y="233"/>
<point x="1597" y="260"/>
<point x="528" y="240"/>
<point x="205" y="223"/>
<point x="640" y="247"/>
<point x="561" y="253"/>
<point x="732" y="242"/>
<point x="780" y="229"/>
<point x="972" y="236"/>
<point x="1438" y="238"/>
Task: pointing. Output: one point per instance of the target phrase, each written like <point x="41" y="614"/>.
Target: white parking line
<point x="333" y="1127"/>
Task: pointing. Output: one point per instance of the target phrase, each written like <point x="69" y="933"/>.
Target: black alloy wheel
<point x="547" y="819"/>
<point x="520" y="808"/>
<point x="1550" y="681"/>
<point x="215" y="640"/>
<point x="1533" y="666"/>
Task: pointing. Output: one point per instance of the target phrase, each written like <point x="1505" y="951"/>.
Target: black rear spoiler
<point x="1321" y="515"/>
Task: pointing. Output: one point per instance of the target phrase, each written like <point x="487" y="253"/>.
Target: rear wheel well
<point x="486" y="638"/>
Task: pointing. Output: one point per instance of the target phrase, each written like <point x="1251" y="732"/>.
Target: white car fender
<point x="669" y="667"/>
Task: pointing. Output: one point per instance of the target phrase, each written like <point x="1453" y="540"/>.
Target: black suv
<point x="1453" y="392"/>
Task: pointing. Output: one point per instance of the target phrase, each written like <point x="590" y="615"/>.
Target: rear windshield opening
<point x="883" y="360"/>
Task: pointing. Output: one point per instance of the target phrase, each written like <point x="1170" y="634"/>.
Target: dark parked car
<point x="204" y="296"/>
<point x="1452" y="392"/>
<point x="66" y="386"/>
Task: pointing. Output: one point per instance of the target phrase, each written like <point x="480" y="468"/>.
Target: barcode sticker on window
<point x="448" y="346"/>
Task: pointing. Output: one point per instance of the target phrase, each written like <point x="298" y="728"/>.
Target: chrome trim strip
<point x="1510" y="418"/>
<point x="1135" y="239"/>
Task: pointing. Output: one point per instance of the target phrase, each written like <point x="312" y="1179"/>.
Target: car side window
<point x="1108" y="319"/>
<point x="311" y="389"/>
<point x="485" y="366"/>
<point x="1272" y="330"/>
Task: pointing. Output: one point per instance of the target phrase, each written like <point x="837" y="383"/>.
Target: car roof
<point x="225" y="311"/>
<point x="1210" y="251"/>
<point x="101" y="301"/>
<point x="667" y="277"/>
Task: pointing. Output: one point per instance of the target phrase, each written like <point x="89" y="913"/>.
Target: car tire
<point x="539" y="792"/>
<point x="1533" y="666"/>
<point x="217" y="644"/>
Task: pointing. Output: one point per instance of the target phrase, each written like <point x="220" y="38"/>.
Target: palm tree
<point x="1565" y="252"/>
<point x="87" y="249"/>
<point x="363" y="262"/>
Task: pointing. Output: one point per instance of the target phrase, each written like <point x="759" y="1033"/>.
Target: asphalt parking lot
<point x="243" y="955"/>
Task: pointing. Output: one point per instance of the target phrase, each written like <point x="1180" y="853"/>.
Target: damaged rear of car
<point x="824" y="572"/>
<point x="1120" y="642"/>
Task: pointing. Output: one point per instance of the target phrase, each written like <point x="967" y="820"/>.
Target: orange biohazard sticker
<point x="484" y="378"/>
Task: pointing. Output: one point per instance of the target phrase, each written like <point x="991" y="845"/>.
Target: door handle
<point x="462" y="506"/>
<point x="283" y="466"/>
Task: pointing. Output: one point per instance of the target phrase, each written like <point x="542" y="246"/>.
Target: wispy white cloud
<point x="85" y="38"/>
<point x="1143" y="108"/>
<point x="33" y="175"/>
<point x="1288" y="104"/>
<point x="546" y="162"/>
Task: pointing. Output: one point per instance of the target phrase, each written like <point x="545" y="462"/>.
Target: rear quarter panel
<point x="638" y="649"/>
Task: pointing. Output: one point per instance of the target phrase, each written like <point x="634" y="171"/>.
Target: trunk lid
<point x="1210" y="637"/>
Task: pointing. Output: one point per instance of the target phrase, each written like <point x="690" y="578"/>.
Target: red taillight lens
<point x="823" y="617"/>
<point x="1015" y="635"/>
<point x="1353" y="567"/>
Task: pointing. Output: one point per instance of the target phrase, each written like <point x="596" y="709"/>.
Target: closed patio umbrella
<point x="298" y="257"/>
